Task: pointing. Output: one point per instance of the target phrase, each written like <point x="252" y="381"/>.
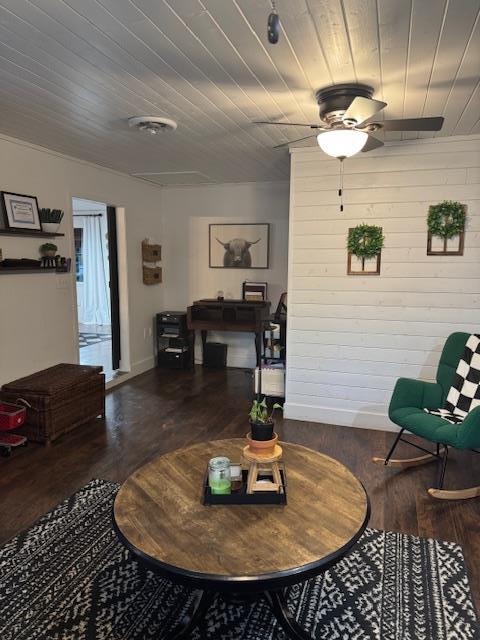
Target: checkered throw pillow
<point x="464" y="394"/>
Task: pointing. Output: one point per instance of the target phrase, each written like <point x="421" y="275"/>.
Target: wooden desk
<point x="229" y="315"/>
<point x="242" y="549"/>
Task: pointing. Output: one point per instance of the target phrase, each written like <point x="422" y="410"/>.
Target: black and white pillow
<point x="464" y="394"/>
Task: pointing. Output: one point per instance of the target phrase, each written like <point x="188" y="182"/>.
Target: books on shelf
<point x="253" y="295"/>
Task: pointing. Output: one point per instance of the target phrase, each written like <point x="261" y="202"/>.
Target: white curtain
<point x="96" y="292"/>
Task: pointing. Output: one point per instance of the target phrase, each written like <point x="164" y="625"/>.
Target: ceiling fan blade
<point x="372" y="143"/>
<point x="285" y="144"/>
<point x="413" y="124"/>
<point x="290" y="124"/>
<point x="362" y="109"/>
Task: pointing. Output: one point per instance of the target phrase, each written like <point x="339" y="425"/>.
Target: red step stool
<point x="12" y="416"/>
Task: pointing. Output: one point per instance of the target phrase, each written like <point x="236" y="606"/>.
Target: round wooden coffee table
<point x="240" y="549"/>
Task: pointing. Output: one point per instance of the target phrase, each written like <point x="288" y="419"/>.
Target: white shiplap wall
<point x="351" y="337"/>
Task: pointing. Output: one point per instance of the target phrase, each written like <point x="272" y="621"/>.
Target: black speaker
<point x="215" y="355"/>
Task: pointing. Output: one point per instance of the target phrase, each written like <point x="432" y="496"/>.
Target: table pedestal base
<point x="275" y="599"/>
<point x="278" y="605"/>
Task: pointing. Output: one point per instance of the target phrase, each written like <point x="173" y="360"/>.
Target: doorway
<point x="96" y="264"/>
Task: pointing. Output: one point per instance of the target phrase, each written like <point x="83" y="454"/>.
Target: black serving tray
<point x="242" y="497"/>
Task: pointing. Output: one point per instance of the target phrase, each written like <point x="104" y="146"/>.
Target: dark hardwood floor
<point x="162" y="410"/>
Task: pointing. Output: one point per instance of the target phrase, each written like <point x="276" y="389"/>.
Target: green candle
<point x="219" y="477"/>
<point x="220" y="486"/>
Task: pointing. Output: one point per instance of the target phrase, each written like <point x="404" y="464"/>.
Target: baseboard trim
<point x="138" y="368"/>
<point x="341" y="417"/>
<point x="234" y="362"/>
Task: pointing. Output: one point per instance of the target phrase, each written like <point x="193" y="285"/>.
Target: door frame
<point x="114" y="287"/>
<point x="122" y="274"/>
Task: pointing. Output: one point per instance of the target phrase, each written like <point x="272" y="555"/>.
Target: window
<point x="78" y="238"/>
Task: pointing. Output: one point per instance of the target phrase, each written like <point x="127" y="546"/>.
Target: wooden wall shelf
<point x="5" y="270"/>
<point x="29" y="233"/>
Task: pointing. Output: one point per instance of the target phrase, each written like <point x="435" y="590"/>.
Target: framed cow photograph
<point x="239" y="246"/>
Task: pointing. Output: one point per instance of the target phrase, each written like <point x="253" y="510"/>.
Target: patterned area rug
<point x="68" y="577"/>
<point x="86" y="339"/>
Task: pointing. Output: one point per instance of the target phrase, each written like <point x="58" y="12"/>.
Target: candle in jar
<point x="219" y="477"/>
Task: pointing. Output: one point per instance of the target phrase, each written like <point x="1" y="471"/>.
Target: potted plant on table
<point x="51" y="219"/>
<point x="261" y="420"/>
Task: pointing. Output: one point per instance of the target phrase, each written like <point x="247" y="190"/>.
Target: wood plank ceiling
<point x="73" y="71"/>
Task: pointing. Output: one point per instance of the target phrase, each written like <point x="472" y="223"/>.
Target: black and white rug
<point x="86" y="339"/>
<point x="68" y="577"/>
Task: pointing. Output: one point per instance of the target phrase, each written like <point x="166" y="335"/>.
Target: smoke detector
<point x="152" y="124"/>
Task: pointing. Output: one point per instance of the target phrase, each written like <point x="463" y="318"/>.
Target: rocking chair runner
<point x="407" y="407"/>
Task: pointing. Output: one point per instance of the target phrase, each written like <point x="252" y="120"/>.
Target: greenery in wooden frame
<point x="365" y="241"/>
<point x="446" y="220"/>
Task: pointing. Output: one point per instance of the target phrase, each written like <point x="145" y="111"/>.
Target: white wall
<point x="37" y="311"/>
<point x="351" y="337"/>
<point x="187" y="213"/>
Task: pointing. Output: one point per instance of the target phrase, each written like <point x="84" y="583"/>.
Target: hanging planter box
<point x="151" y="252"/>
<point x="152" y="275"/>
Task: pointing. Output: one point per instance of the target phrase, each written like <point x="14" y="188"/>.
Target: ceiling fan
<point x="346" y="112"/>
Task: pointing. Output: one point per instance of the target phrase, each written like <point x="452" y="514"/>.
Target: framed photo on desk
<point x="239" y="246"/>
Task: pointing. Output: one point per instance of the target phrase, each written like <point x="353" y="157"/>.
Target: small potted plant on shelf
<point x="51" y="219"/>
<point x="261" y="420"/>
<point x="48" y="249"/>
<point x="48" y="252"/>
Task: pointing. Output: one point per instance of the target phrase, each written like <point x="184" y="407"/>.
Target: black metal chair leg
<point x="392" y="448"/>
<point x="443" y="468"/>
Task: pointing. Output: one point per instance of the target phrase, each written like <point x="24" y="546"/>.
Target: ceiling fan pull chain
<point x="340" y="190"/>
<point x="273" y="24"/>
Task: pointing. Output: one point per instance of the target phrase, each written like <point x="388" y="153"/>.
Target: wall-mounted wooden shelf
<point x="29" y="233"/>
<point x="5" y="270"/>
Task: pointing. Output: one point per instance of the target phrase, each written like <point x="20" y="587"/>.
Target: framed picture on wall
<point x="239" y="246"/>
<point x="20" y="212"/>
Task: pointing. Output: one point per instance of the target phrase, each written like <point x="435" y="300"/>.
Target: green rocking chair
<point x="411" y="397"/>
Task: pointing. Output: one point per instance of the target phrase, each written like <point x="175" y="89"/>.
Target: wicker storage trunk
<point x="61" y="398"/>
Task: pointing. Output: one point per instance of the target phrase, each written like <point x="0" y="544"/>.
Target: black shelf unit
<point x="275" y="348"/>
<point x="274" y="352"/>
<point x="174" y="340"/>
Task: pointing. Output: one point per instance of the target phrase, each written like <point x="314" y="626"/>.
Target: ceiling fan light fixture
<point x="342" y="143"/>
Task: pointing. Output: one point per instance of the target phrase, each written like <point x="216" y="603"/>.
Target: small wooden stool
<point x="264" y="465"/>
